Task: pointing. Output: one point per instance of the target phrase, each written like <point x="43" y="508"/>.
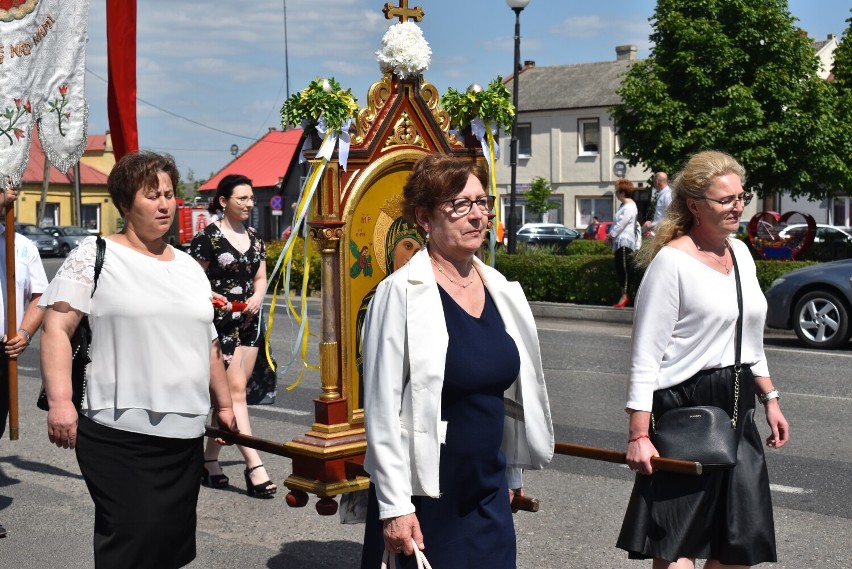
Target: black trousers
<point x="623" y="264"/>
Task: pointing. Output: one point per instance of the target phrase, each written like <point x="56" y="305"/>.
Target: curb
<point x="560" y="310"/>
<point x="582" y="312"/>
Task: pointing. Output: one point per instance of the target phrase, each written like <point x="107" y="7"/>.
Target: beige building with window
<point x="567" y="137"/>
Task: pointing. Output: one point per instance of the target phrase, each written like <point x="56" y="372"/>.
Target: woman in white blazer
<point x="455" y="401"/>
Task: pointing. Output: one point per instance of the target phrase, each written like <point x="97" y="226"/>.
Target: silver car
<point x="815" y="302"/>
<point x="46" y="244"/>
<point x="69" y="236"/>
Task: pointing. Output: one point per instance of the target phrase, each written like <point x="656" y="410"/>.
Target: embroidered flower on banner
<point x="405" y="51"/>
<point x="11" y="117"/>
<point x="58" y="106"/>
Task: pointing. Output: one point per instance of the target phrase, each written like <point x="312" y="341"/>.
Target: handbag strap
<point x="389" y="559"/>
<point x="738" y="339"/>
<point x="99" y="261"/>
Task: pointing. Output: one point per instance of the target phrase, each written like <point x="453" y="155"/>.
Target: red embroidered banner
<point x="121" y="87"/>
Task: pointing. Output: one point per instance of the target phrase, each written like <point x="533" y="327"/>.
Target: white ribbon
<point x="477" y="127"/>
<point x="341" y="136"/>
<point x="306" y="145"/>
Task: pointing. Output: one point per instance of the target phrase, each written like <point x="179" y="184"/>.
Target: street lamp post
<point x="517" y="6"/>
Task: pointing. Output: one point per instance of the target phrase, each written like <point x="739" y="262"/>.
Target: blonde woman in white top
<point x="685" y="323"/>
<point x="156" y="366"/>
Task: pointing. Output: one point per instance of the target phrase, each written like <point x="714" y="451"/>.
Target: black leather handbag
<point x="704" y="434"/>
<point x="81" y="341"/>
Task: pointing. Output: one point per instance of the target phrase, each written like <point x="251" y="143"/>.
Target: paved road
<point x="44" y="504"/>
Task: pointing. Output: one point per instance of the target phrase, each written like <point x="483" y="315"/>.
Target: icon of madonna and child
<point x="395" y="241"/>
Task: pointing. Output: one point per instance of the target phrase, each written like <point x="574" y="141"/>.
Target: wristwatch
<point x="765" y="397"/>
<point x="27" y="335"/>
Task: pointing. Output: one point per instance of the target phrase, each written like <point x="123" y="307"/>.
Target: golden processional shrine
<point x="351" y="223"/>
<point x="356" y="225"/>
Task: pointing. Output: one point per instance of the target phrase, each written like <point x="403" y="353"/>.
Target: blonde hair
<point x="691" y="182"/>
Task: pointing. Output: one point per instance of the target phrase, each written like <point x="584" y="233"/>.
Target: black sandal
<point x="261" y="490"/>
<point x="213" y="480"/>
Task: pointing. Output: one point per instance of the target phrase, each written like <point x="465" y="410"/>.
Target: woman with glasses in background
<point x="684" y="335"/>
<point x="234" y="258"/>
<point x="455" y="403"/>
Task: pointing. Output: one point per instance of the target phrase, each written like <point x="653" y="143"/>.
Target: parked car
<point x="553" y="234"/>
<point x="815" y="302"/>
<point x="69" y="236"/>
<point x="823" y="233"/>
<point x="46" y="244"/>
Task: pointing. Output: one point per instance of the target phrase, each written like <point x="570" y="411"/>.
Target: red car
<point x="603" y="230"/>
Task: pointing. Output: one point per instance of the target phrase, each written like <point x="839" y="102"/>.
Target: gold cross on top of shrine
<point x="403" y="12"/>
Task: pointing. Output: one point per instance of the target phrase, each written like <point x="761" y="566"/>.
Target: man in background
<point x="31" y="282"/>
<point x="660" y="201"/>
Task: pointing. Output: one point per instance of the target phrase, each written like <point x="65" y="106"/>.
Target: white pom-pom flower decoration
<point x="405" y="51"/>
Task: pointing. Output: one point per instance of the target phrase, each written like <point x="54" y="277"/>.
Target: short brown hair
<point x="437" y="178"/>
<point x="138" y="170"/>
<point x="624" y="185"/>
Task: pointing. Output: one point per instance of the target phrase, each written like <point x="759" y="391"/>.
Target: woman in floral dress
<point x="234" y="258"/>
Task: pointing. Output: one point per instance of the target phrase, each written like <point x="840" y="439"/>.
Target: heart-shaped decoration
<point x="773" y="236"/>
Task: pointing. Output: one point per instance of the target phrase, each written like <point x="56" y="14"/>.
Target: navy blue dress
<point x="470" y="525"/>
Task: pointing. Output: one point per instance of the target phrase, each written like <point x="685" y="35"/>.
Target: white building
<point x="566" y="136"/>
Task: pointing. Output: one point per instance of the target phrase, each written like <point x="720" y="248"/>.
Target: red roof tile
<point x="96" y="142"/>
<point x="265" y="162"/>
<point x="34" y="173"/>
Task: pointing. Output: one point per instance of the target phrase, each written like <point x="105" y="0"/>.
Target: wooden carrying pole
<point x="607" y="455"/>
<point x="11" y="321"/>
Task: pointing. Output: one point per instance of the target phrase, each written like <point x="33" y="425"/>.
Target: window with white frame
<point x="590" y="207"/>
<point x="91" y="217"/>
<point x="51" y="214"/>
<point x="526" y="215"/>
<point x="524" y="140"/>
<point x="616" y="141"/>
<point x="589" y="131"/>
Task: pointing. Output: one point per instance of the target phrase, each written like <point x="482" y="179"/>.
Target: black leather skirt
<point x="724" y="515"/>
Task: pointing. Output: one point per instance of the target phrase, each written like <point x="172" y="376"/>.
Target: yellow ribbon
<point x="492" y="238"/>
<point x="300" y="345"/>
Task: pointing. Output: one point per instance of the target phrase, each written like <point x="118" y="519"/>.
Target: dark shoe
<point x="261" y="490"/>
<point x="2" y="531"/>
<point x="213" y="480"/>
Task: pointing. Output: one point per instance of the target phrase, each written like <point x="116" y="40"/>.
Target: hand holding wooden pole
<point x="11" y="319"/>
<point x="607" y="455"/>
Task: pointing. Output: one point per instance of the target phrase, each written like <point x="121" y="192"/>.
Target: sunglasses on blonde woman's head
<point x="729" y="201"/>
<point x="462" y="206"/>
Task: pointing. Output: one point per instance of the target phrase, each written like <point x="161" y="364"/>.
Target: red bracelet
<point x="634" y="439"/>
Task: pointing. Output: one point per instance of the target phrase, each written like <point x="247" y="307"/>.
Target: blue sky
<point x="222" y="64"/>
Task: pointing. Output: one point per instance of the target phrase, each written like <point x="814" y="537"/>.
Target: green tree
<point x="538" y="195"/>
<point x="843" y="61"/>
<point x="188" y="185"/>
<point x="843" y="84"/>
<point x="738" y="76"/>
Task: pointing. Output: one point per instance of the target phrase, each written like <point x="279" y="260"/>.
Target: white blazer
<point x="404" y="347"/>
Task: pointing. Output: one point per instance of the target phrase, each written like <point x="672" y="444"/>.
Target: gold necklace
<point x="724" y="255"/>
<point x="452" y="280"/>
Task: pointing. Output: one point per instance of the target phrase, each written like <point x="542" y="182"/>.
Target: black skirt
<point x="724" y="515"/>
<point x="145" y="491"/>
